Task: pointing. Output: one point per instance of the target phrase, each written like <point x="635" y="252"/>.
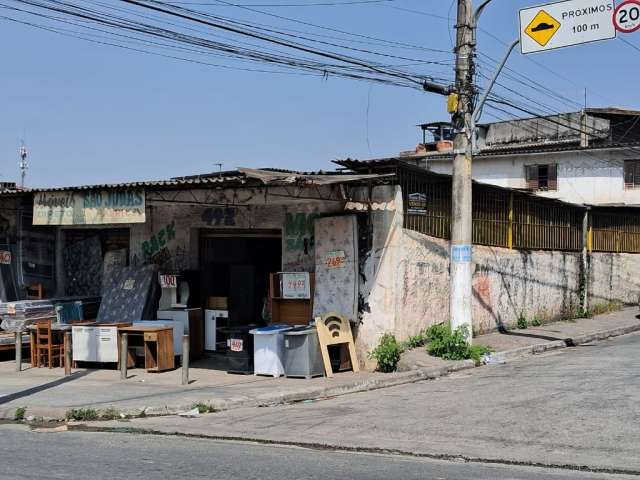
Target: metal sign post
<point x="564" y="24"/>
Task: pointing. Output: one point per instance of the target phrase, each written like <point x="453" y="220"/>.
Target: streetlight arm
<point x="492" y="82"/>
<point x="479" y="10"/>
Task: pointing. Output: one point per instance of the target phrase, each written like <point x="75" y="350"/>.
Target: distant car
<point x="543" y="26"/>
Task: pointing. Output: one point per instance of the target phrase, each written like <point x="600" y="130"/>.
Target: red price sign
<point x="236" y="345"/>
<point x="335" y="259"/>
<point x="626" y="16"/>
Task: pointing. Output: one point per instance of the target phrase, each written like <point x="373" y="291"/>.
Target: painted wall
<point x="170" y="237"/>
<point x="583" y="177"/>
<point x="405" y="282"/>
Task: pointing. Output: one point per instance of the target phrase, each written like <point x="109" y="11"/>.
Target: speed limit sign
<point x="626" y="17"/>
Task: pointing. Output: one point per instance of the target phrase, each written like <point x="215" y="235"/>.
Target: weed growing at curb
<point x="82" y="414"/>
<point x="109" y="414"/>
<point x="522" y="322"/>
<point x="452" y="345"/>
<point x="536" y="321"/>
<point x="203" y="408"/>
<point x="387" y="353"/>
<point x="20" y="414"/>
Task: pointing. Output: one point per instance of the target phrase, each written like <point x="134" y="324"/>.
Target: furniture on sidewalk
<point x="334" y="329"/>
<point x="49" y="344"/>
<point x="302" y="357"/>
<point x="33" y="339"/>
<point x="157" y="343"/>
<point x="93" y="342"/>
<point x="214" y="323"/>
<point x="193" y="325"/>
<point x="268" y="350"/>
<point x="291" y="297"/>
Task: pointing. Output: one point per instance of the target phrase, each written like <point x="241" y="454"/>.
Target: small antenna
<point x="219" y="167"/>
<point x="24" y="166"/>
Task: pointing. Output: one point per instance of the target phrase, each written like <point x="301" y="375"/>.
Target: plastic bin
<point x="269" y="350"/>
<point x="240" y="351"/>
<point x="302" y="356"/>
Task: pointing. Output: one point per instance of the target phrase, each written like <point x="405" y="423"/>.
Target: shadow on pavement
<point x="40" y="388"/>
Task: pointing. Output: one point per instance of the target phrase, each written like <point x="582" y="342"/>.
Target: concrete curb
<point x="316" y="393"/>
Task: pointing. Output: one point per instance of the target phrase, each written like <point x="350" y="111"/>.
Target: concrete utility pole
<point x="461" y="226"/>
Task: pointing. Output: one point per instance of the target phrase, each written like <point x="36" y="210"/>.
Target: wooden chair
<point x="47" y="349"/>
<point x="334" y="329"/>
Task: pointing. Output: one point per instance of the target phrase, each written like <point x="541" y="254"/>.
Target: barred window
<point x="542" y="178"/>
<point x="632" y="174"/>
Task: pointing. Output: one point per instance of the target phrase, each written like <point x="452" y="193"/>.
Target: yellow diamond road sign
<point x="542" y="28"/>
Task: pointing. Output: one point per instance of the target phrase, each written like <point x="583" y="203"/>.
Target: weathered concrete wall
<point x="170" y="236"/>
<point x="614" y="277"/>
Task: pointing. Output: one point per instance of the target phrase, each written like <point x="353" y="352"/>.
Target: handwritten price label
<point x="236" y="345"/>
<point x="335" y="259"/>
<point x="295" y="285"/>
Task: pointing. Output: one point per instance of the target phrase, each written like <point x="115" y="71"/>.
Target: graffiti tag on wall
<point x="218" y="216"/>
<point x="299" y="231"/>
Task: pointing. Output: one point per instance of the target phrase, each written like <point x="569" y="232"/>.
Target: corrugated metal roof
<point x="240" y="177"/>
<point x="560" y="147"/>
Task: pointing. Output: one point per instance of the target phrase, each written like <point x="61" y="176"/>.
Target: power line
<point x="274" y="5"/>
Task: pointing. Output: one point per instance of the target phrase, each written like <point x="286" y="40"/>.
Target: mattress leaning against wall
<point x="129" y="294"/>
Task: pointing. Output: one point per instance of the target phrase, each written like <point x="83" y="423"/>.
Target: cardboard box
<point x="217" y="303"/>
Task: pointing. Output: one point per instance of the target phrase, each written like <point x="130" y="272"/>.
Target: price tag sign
<point x="168" y="281"/>
<point x="296" y="285"/>
<point x="236" y="344"/>
<point x="335" y="259"/>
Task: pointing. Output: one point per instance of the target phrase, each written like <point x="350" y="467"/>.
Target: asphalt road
<point x="573" y="408"/>
<point x="113" y="456"/>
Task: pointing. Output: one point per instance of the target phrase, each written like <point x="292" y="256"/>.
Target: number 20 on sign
<point x="627" y="16"/>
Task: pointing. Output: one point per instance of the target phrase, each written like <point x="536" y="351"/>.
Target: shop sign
<point x="90" y="207"/>
<point x="335" y="259"/>
<point x="295" y="285"/>
<point x="236" y="344"/>
<point x="417" y="204"/>
<point x="168" y="281"/>
<point x="5" y="257"/>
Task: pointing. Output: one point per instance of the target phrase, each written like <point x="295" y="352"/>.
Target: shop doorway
<point x="236" y="265"/>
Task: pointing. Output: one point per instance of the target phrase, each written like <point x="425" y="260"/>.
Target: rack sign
<point x="564" y="24"/>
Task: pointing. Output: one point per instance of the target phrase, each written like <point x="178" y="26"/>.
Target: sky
<point x="92" y="114"/>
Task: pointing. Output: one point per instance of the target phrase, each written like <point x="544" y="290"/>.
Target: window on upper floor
<point x="632" y="174"/>
<point x="542" y="178"/>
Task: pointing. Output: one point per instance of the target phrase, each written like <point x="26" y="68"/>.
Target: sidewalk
<point x="48" y="394"/>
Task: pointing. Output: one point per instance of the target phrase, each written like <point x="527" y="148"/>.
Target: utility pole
<point x="461" y="226"/>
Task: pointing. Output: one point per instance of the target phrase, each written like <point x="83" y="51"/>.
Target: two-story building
<point x="587" y="157"/>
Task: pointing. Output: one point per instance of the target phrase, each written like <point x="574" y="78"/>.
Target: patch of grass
<point x="452" y="345"/>
<point x="387" y="353"/>
<point x="536" y="321"/>
<point x="109" y="414"/>
<point x="601" y="308"/>
<point x="20" y="414"/>
<point x="82" y="414"/>
<point x="203" y="408"/>
<point x="522" y="322"/>
<point x="414" y="342"/>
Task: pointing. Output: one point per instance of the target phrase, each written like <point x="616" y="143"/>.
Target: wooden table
<point x="158" y="347"/>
